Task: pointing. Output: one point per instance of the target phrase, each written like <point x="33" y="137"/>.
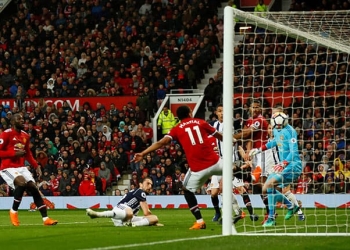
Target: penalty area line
<point x="155" y="243"/>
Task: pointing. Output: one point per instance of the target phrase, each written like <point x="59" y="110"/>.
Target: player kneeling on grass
<point x="125" y="212"/>
<point x="285" y="138"/>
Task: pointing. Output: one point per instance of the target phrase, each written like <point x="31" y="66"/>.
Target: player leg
<point x="193" y="181"/>
<point x="286" y="191"/>
<point x="257" y="189"/>
<point x="31" y="188"/>
<point x="120" y="213"/>
<point x="239" y="214"/>
<point x="16" y="181"/>
<point x="274" y="195"/>
<point x="238" y="185"/>
<point x="193" y="205"/>
<point x="248" y="204"/>
<point x="39" y="202"/>
<point x="290" y="174"/>
<point x="266" y="160"/>
<point x="214" y="189"/>
<point x="139" y="221"/>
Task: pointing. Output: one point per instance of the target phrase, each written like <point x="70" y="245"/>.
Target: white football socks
<point x="143" y="222"/>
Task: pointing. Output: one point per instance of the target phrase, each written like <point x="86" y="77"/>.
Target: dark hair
<point x="219" y="105"/>
<point x="148" y="177"/>
<point x="183" y="112"/>
<point x="256" y="101"/>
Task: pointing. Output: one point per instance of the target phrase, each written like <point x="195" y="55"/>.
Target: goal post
<point x="299" y="60"/>
<point x="227" y="228"/>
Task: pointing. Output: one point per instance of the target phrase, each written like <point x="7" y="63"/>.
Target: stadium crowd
<point x="113" y="48"/>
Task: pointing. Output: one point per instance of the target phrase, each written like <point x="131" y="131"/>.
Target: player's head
<point x="183" y="112"/>
<point x="219" y="112"/>
<point x="269" y="130"/>
<point x="17" y="121"/>
<point x="255" y="108"/>
<point x="277" y="108"/>
<point x="146" y="184"/>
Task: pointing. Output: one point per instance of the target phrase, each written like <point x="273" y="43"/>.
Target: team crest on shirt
<point x="281" y="137"/>
<point x="256" y="124"/>
<point x="19" y="145"/>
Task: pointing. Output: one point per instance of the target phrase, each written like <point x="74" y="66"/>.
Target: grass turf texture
<point x="77" y="231"/>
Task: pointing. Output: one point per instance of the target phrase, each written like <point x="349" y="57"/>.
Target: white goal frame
<point x="230" y="14"/>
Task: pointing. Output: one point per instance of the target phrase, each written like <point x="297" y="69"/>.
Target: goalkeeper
<point x="285" y="138"/>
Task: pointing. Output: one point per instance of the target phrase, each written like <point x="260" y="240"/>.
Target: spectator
<point x="260" y="8"/>
<point x="64" y="180"/>
<point x="161" y="94"/>
<point x="166" y="121"/>
<point x="341" y="184"/>
<point x="105" y="173"/>
<point x="87" y="187"/>
<point x="117" y="192"/>
<point x="45" y="189"/>
<point x="97" y="183"/>
<point x="69" y="191"/>
<point x="74" y="183"/>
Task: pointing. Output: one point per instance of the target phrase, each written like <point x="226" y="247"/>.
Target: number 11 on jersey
<point x="190" y="134"/>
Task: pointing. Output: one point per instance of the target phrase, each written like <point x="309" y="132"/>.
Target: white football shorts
<point x="10" y="174"/>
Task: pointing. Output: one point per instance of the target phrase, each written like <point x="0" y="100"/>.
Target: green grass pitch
<point x="77" y="231"/>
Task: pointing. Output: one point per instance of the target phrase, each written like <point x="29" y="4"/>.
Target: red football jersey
<point x="10" y="141"/>
<point x="193" y="134"/>
<point x="260" y="134"/>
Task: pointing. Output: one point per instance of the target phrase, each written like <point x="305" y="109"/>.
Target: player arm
<point x="145" y="209"/>
<point x="249" y="145"/>
<point x="244" y="134"/>
<point x="217" y="135"/>
<point x="5" y="151"/>
<point x="268" y="145"/>
<point x="164" y="141"/>
<point x="293" y="152"/>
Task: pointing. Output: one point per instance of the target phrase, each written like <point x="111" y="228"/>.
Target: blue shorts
<point x="290" y="174"/>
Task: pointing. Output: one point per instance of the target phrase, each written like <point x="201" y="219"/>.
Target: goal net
<point x="299" y="60"/>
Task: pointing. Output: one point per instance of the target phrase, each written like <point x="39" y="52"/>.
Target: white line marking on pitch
<point x="154" y="243"/>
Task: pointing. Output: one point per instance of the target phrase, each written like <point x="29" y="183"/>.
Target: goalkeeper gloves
<point x="279" y="167"/>
<point x="254" y="151"/>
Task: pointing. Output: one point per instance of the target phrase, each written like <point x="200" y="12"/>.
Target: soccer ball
<point x="279" y="120"/>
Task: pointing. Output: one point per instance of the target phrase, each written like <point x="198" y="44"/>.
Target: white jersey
<point x="215" y="180"/>
<point x="219" y="127"/>
<point x="266" y="160"/>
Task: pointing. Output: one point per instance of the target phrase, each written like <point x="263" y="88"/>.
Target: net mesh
<point x="334" y="25"/>
<point x="300" y="60"/>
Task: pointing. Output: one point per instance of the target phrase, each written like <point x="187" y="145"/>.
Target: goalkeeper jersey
<point x="286" y="142"/>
